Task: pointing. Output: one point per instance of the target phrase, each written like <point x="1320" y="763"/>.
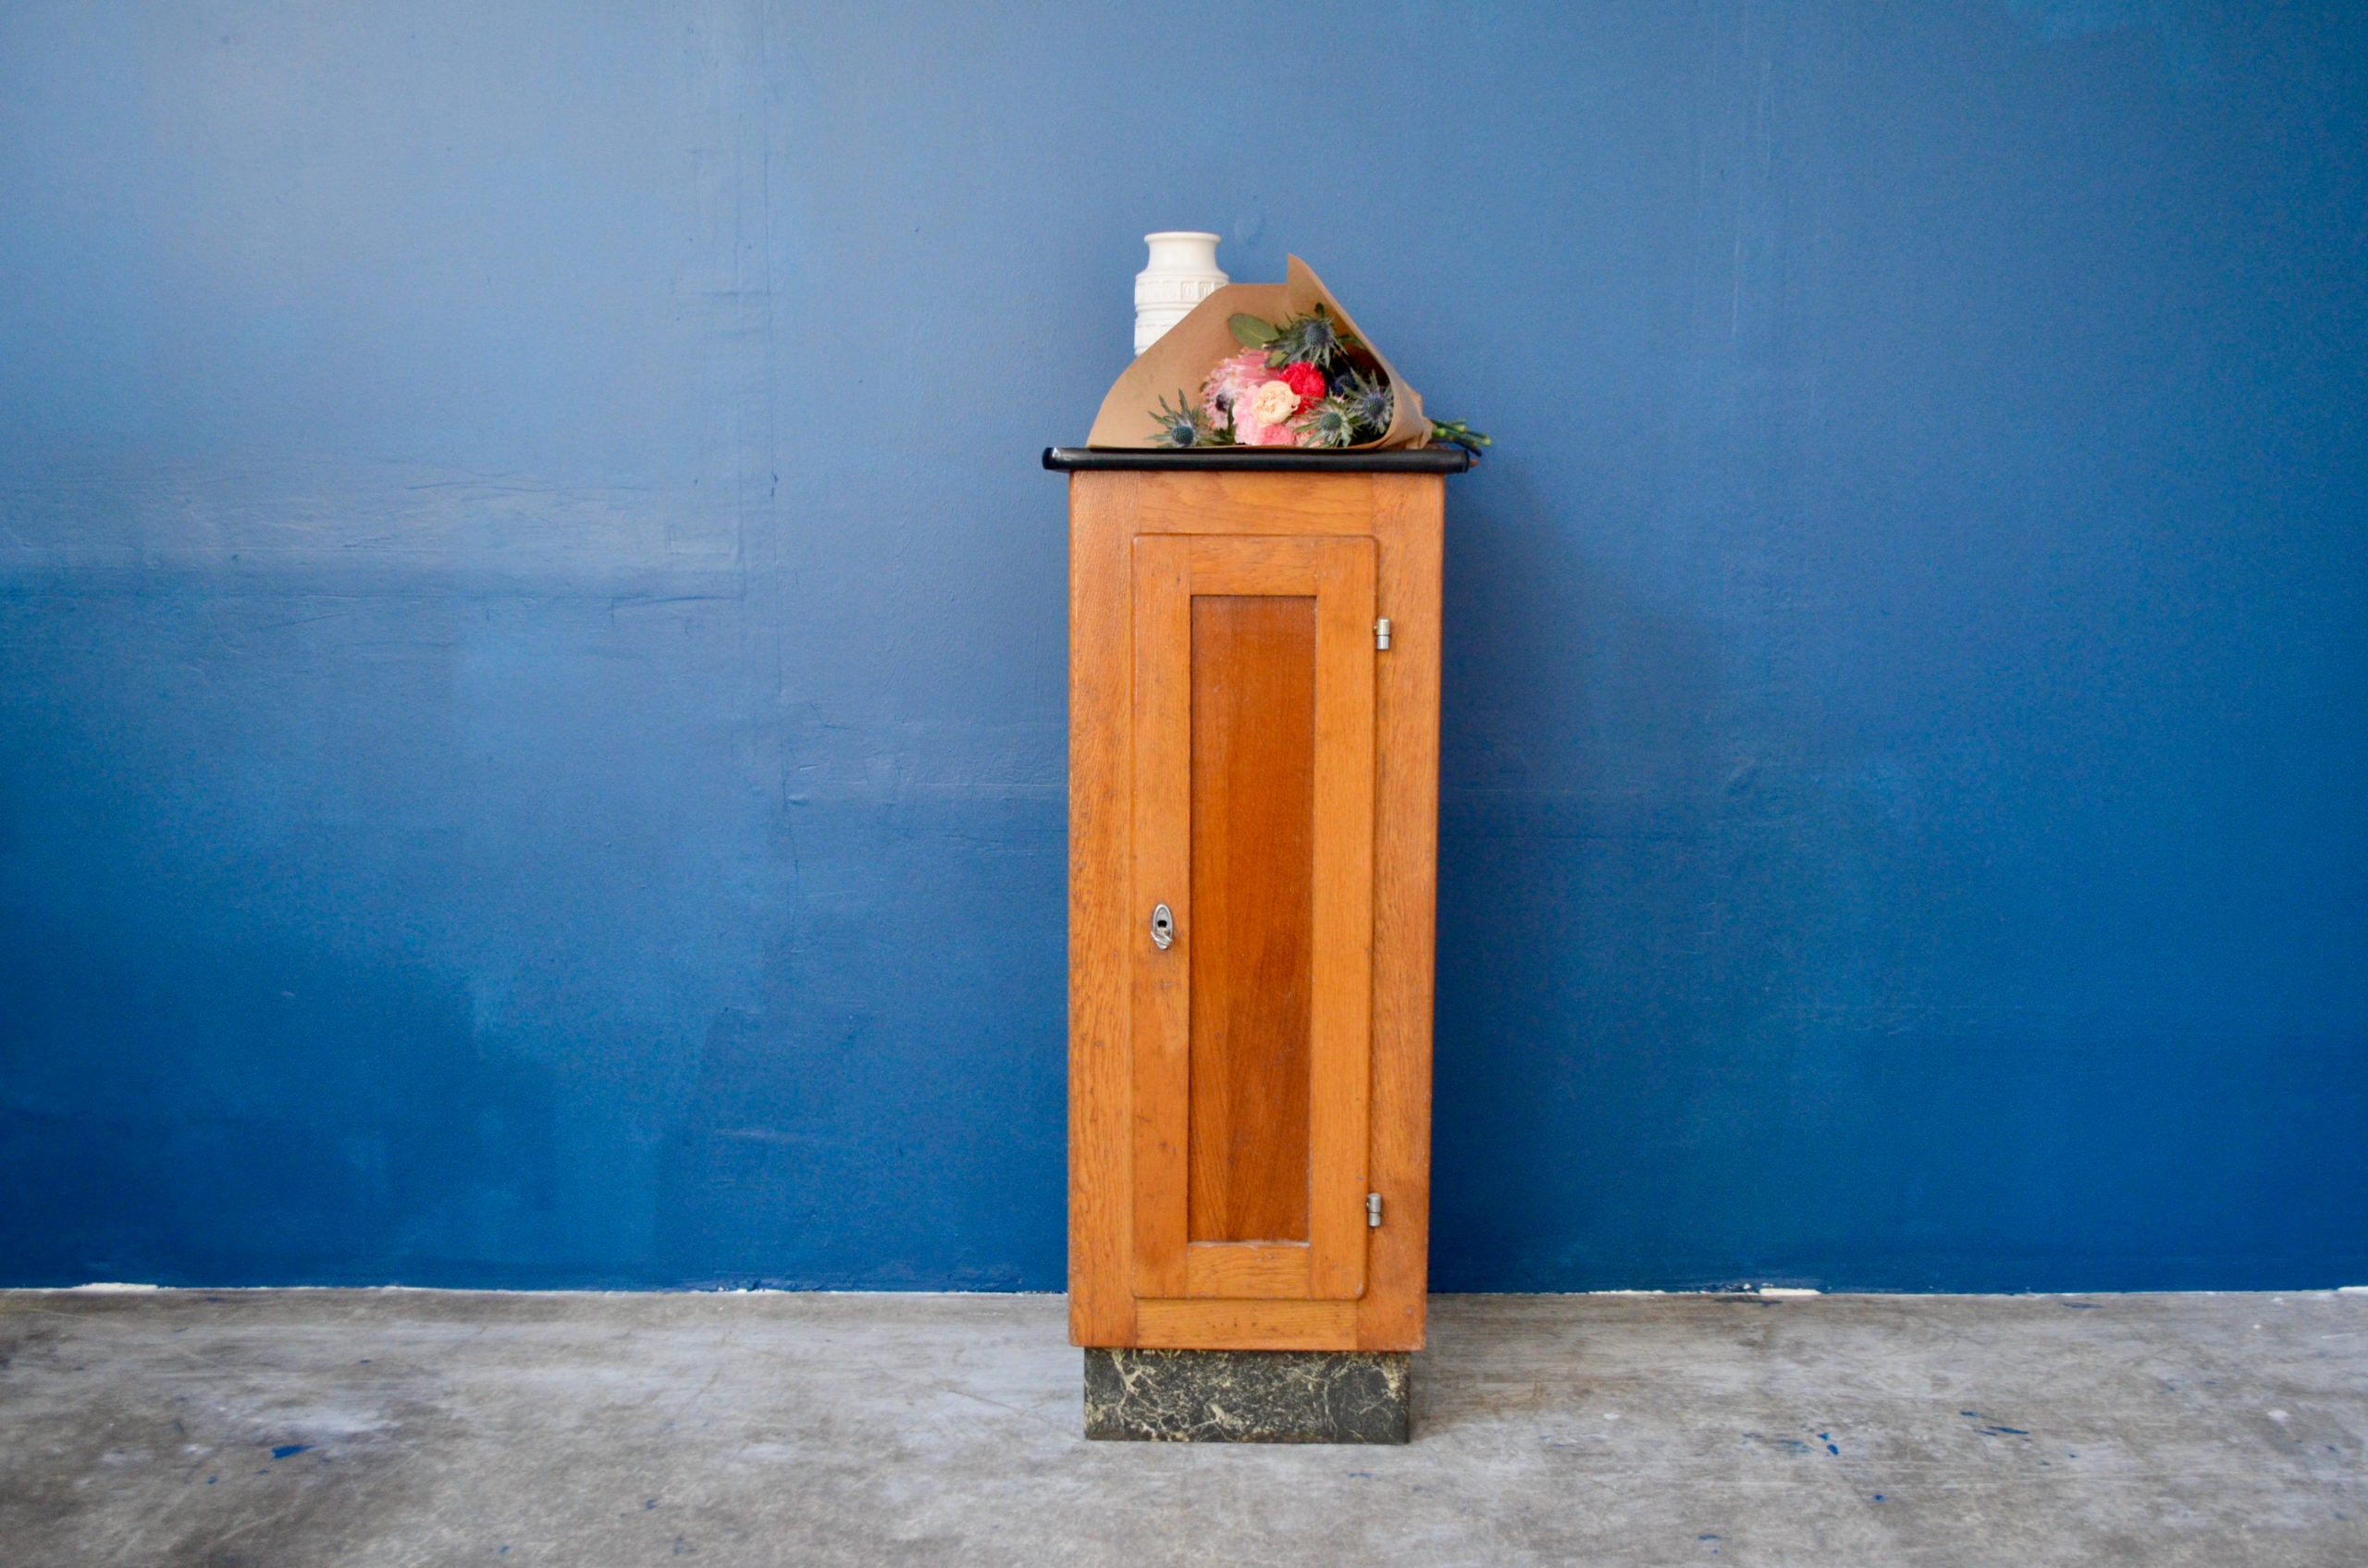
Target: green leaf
<point x="1251" y="332"/>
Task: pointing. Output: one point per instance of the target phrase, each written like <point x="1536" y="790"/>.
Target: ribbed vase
<point x="1182" y="273"/>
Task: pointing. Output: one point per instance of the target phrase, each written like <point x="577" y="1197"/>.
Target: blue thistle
<point x="1369" y="400"/>
<point x="1330" y="423"/>
<point x="1183" y="425"/>
<point x="1309" y="340"/>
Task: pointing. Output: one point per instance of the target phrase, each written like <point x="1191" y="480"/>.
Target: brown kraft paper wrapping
<point x="1182" y="359"/>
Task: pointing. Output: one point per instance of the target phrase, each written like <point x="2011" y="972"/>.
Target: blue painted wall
<point x="531" y="740"/>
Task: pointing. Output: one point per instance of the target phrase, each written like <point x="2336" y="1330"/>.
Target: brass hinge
<point x="1381" y="643"/>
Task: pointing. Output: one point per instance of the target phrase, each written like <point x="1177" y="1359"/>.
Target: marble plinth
<point x="1247" y="1396"/>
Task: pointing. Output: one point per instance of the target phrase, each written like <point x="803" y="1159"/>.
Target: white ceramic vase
<point x="1182" y="273"/>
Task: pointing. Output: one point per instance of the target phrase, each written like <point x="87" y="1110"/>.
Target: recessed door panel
<point x="1253" y="909"/>
<point x="1253" y="827"/>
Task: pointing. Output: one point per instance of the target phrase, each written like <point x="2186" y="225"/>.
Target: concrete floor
<point x="382" y="1427"/>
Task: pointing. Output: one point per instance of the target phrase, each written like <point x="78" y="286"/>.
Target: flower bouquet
<point x="1265" y="365"/>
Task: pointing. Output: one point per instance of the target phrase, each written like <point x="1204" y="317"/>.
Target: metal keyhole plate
<point x="1162" y="928"/>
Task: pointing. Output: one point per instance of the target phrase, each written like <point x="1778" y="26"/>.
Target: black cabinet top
<point x="1269" y="459"/>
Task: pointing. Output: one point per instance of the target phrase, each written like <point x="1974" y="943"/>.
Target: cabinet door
<point x="1253" y="825"/>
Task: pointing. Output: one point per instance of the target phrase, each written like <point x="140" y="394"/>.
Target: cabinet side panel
<point x="1102" y="1303"/>
<point x="1408" y="525"/>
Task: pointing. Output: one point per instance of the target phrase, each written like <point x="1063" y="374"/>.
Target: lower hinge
<point x="1381" y="644"/>
<point x="1373" y="1210"/>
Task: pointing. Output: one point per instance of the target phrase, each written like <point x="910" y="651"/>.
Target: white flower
<point x="1273" y="402"/>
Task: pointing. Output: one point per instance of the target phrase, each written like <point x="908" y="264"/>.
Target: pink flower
<point x="1231" y="383"/>
<point x="1250" y="431"/>
<point x="1241" y="389"/>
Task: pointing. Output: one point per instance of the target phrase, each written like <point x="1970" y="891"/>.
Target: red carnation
<point x="1304" y="379"/>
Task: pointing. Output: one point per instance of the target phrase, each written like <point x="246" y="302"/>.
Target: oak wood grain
<point x="1341" y="1033"/>
<point x="1254" y="503"/>
<point x="1101" y="1301"/>
<point x="1162" y="874"/>
<point x="1338" y="573"/>
<point x="1246" y="1325"/>
<point x="1254" y="928"/>
<point x="1408" y="525"/>
<point x="1259" y="1270"/>
<point x="1402" y="515"/>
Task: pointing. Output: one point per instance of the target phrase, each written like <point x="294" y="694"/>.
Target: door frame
<point x="1170" y="571"/>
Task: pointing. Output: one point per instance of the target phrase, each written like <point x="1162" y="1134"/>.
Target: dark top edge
<point x="1264" y="459"/>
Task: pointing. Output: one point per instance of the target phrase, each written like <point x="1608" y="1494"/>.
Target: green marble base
<point x="1247" y="1396"/>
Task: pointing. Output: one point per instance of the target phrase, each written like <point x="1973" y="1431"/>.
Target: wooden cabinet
<point x="1252" y="819"/>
